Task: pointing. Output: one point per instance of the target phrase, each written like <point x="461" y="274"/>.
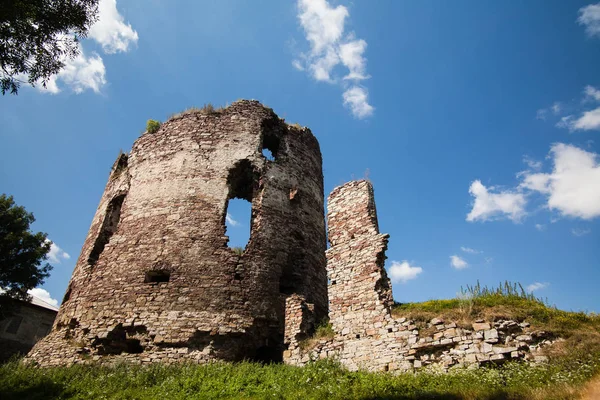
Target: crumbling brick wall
<point x="367" y="336"/>
<point x="156" y="280"/>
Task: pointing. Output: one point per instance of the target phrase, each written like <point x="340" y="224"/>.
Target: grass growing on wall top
<point x="510" y="301"/>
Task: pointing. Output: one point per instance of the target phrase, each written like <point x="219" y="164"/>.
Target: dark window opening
<point x="390" y="330"/>
<point x="109" y="227"/>
<point x="386" y="368"/>
<point x="270" y="147"/>
<point x="358" y="336"/>
<point x="237" y="219"/>
<point x="14" y="324"/>
<point x="157" y="276"/>
<point x="67" y="295"/>
<point x="333" y="282"/>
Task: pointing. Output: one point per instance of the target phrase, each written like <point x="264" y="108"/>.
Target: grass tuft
<point x="152" y="126"/>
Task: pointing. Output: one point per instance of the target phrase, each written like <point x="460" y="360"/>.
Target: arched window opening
<point x="242" y="181"/>
<point x="270" y="148"/>
<point x="238" y="218"/>
<point x="109" y="227"/>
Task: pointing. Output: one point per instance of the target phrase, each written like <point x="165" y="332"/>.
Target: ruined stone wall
<point x="367" y="336"/>
<point x="156" y="281"/>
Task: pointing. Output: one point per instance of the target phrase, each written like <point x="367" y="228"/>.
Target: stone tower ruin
<point x="156" y="280"/>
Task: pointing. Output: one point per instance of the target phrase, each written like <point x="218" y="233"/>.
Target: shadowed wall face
<point x="156" y="280"/>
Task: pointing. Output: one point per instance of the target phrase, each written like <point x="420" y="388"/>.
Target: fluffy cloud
<point x="403" y="271"/>
<point x="591" y="93"/>
<point x="536" y="286"/>
<point x="457" y="262"/>
<point x="230" y="220"/>
<point x="587" y="121"/>
<point x="324" y="27"/>
<point x="110" y="31"/>
<point x="56" y="254"/>
<point x="356" y="99"/>
<point x="470" y="250"/>
<point x="79" y="74"/>
<point x="43" y="295"/>
<point x="488" y="205"/>
<point x="589" y="16"/>
<point x="540" y="227"/>
<point x="573" y="186"/>
<point x="88" y="72"/>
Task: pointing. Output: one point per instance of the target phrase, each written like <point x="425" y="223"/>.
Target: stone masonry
<point x="156" y="280"/>
<point x="367" y="336"/>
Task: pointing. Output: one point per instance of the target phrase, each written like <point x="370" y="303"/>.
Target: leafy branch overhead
<point x="37" y="36"/>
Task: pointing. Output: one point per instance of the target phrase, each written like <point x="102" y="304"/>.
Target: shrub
<point x="152" y="126"/>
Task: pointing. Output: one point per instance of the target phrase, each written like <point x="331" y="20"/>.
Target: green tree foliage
<point x="37" y="36"/>
<point x="22" y="253"/>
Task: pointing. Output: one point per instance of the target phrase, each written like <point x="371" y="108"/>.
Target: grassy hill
<point x="573" y="363"/>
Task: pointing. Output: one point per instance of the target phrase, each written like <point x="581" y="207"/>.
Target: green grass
<point x="572" y="365"/>
<point x="323" y="330"/>
<point x="320" y="380"/>
<point x="510" y="301"/>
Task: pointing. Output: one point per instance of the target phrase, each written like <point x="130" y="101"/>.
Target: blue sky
<point x="476" y="121"/>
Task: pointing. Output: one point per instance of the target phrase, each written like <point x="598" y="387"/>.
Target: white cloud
<point x="230" y="220"/>
<point x="591" y="93"/>
<point x="536" y="286"/>
<point x="541" y="114"/>
<point x="403" y="271"/>
<point x="88" y="72"/>
<point x="489" y="206"/>
<point x="589" y="120"/>
<point x="488" y="260"/>
<point x="356" y="99"/>
<point x="556" y="108"/>
<point x="298" y="65"/>
<point x="589" y="16"/>
<point x="540" y="227"/>
<point x="56" y="253"/>
<point x="470" y="250"/>
<point x="79" y="74"/>
<point x="351" y="54"/>
<point x="458" y="262"/>
<point x="580" y="232"/>
<point x="43" y="295"/>
<point x="330" y="46"/>
<point x="573" y="186"/>
<point x="110" y="31"/>
<point x="531" y="163"/>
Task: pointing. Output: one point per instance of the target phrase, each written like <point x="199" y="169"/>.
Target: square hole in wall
<point x="157" y="276"/>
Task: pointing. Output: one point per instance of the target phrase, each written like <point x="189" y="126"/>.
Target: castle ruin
<point x="157" y="282"/>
